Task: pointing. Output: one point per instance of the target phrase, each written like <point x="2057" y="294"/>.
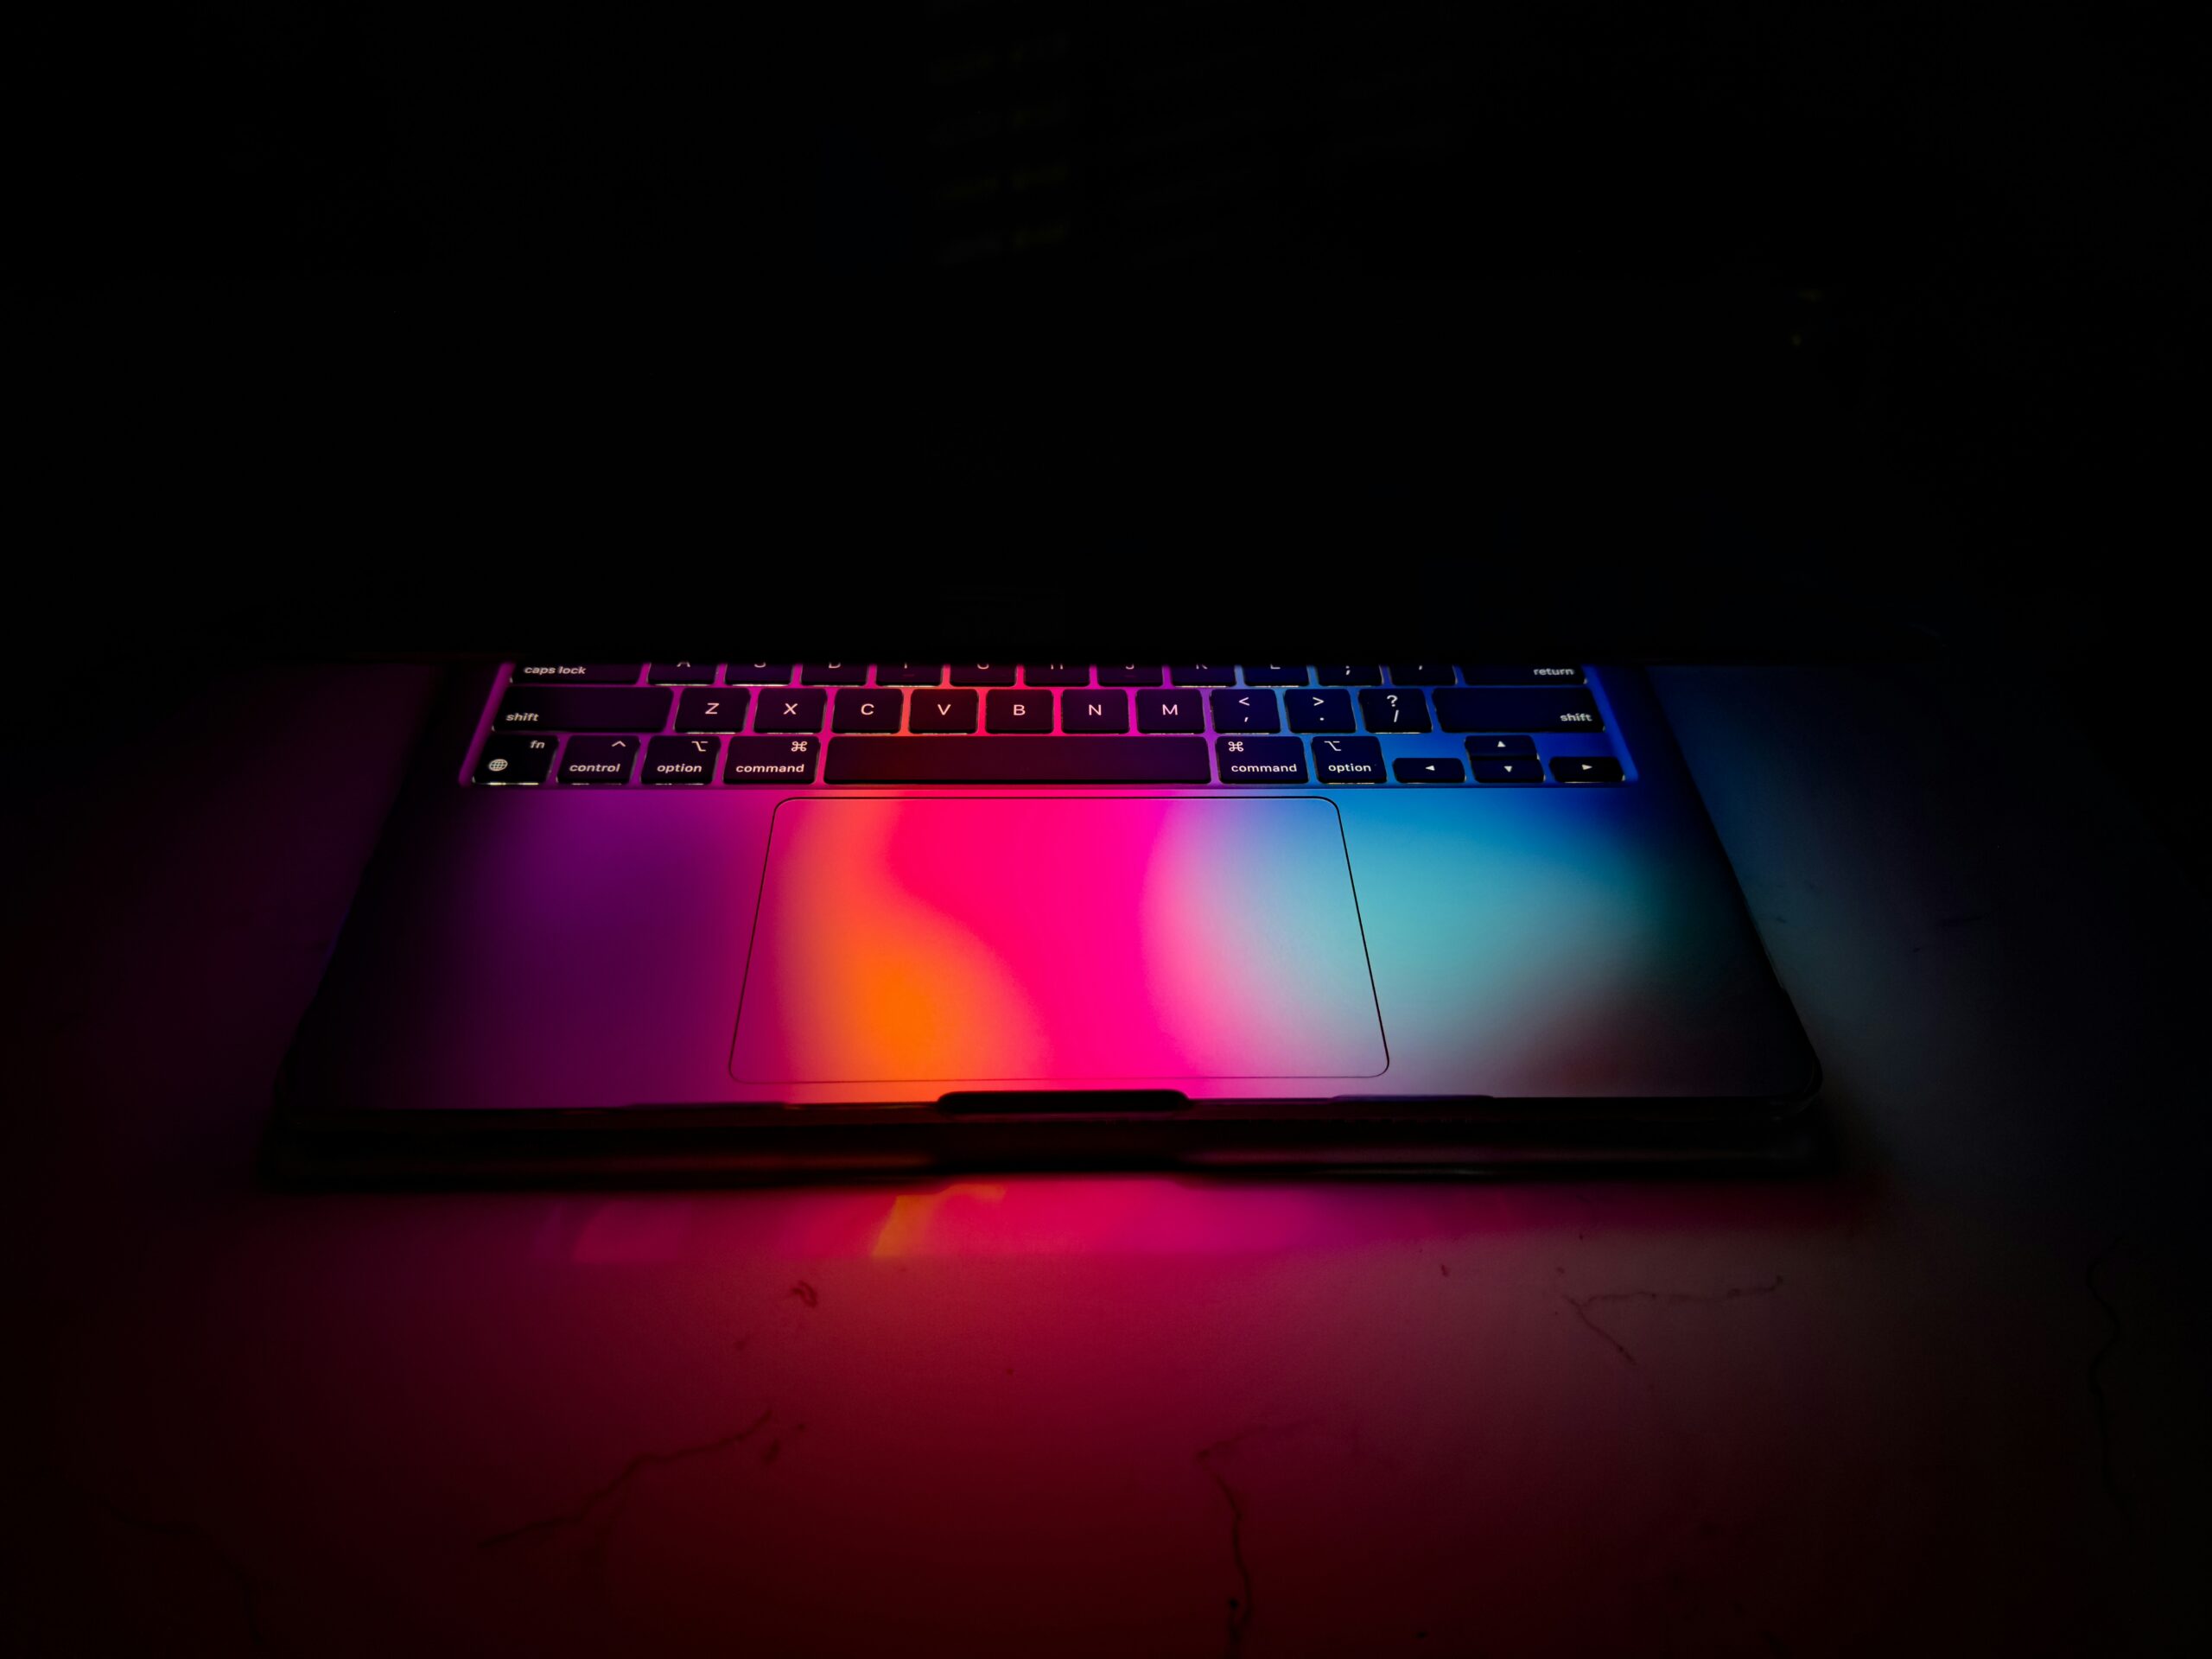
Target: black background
<point x="1701" y="334"/>
<point x="1736" y="332"/>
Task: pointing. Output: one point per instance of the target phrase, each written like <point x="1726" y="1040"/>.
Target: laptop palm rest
<point x="983" y="941"/>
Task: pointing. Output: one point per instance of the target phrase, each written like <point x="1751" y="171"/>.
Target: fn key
<point x="514" y="758"/>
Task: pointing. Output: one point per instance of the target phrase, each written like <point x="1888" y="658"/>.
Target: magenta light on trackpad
<point x="1053" y="941"/>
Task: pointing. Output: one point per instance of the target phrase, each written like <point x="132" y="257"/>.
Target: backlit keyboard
<point x="737" y="725"/>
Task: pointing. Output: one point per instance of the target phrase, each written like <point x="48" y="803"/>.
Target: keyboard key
<point x="1245" y="711"/>
<point x="1019" y="760"/>
<point x="1262" y="760"/>
<point x="583" y="709"/>
<point x="683" y="673"/>
<point x="1421" y="673"/>
<point x="909" y="673"/>
<point x="982" y="673"/>
<point x="1274" y="673"/>
<point x="1348" y="760"/>
<point x="871" y="709"/>
<point x="599" y="760"/>
<point x="771" y="760"/>
<point x="1351" y="674"/>
<point x="1507" y="674"/>
<point x="1128" y="674"/>
<point x="1515" y="769"/>
<point x="1319" y="711"/>
<point x="942" y="711"/>
<point x="680" y="760"/>
<point x="1056" y="673"/>
<point x="1497" y="744"/>
<point x="1585" y="769"/>
<point x="711" y="711"/>
<point x="1427" y="769"/>
<point x="833" y="673"/>
<point x="1095" y="710"/>
<point x="1394" y="710"/>
<point x="577" y="673"/>
<point x="1170" y="711"/>
<point x="757" y="674"/>
<point x="1202" y="674"/>
<point x="1018" y="711"/>
<point x="1566" y="710"/>
<point x="790" y="711"/>
<point x="513" y="757"/>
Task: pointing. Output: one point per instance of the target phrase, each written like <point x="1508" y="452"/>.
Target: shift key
<point x="583" y="709"/>
<point x="1534" y="708"/>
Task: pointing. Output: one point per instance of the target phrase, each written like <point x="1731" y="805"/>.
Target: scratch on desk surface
<point x="582" y="1510"/>
<point x="1582" y="1305"/>
<point x="1240" y="1605"/>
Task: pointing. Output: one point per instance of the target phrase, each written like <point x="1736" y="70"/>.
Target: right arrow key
<point x="1585" y="769"/>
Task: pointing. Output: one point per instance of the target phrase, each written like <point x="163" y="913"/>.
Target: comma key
<point x="1252" y="710"/>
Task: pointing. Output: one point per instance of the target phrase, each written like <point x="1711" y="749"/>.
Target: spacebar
<point x="1017" y="760"/>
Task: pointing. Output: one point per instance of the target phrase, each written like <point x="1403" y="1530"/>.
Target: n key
<point x="1096" y="712"/>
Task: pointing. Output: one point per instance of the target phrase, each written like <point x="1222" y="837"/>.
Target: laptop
<point x="749" y="918"/>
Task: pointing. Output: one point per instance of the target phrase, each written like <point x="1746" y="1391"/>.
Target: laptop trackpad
<point x="984" y="941"/>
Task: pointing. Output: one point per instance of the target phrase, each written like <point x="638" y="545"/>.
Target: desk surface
<point x="1950" y="1398"/>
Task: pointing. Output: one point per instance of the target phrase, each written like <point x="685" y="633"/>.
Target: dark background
<point x="1735" y="333"/>
<point x="1748" y="334"/>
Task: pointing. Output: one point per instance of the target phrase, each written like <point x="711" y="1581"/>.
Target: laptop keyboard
<point x="738" y="725"/>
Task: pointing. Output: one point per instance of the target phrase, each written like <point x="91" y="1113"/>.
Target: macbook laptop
<point x="727" y="918"/>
